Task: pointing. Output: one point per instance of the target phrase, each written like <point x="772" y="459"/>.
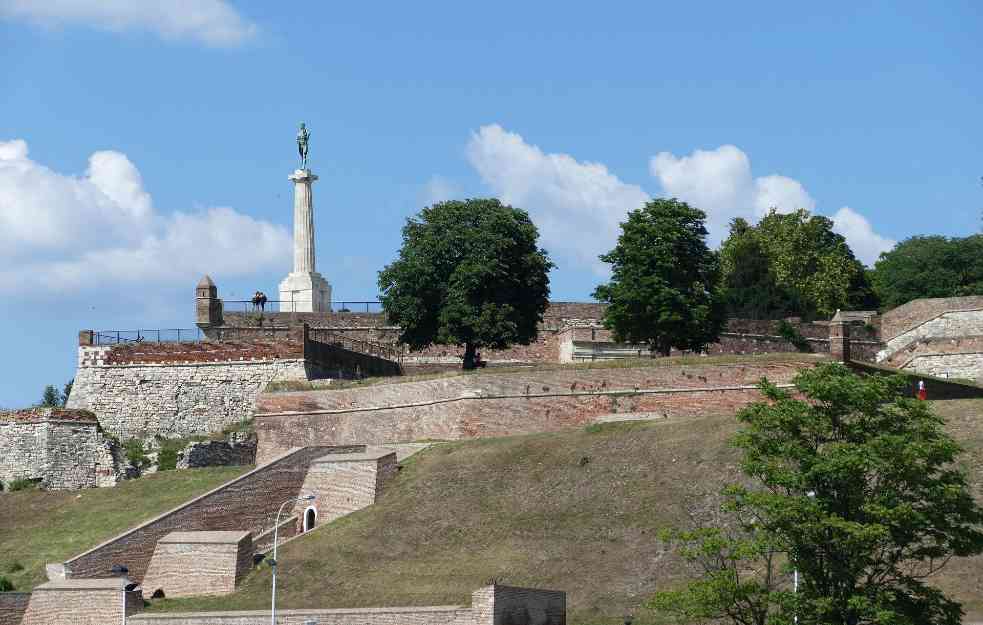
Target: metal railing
<point x="243" y="333"/>
<point x="156" y="335"/>
<point x="276" y="305"/>
<point x="339" y="339"/>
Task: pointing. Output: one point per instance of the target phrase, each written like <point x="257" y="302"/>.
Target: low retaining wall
<point x="83" y="602"/>
<point x="187" y="564"/>
<point x="247" y="503"/>
<point x="504" y="404"/>
<point x="491" y="605"/>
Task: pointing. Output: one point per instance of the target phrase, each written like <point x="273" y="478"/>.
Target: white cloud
<point x="720" y="183"/>
<point x="440" y="189"/>
<point x="576" y="205"/>
<point x="66" y="233"/>
<point x="866" y="244"/>
<point x="213" y="22"/>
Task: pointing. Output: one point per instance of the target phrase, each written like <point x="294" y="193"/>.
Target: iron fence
<point x="154" y="335"/>
<point x="276" y="305"/>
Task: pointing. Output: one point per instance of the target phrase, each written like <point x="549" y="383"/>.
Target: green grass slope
<point x="37" y="527"/>
<point x="576" y="511"/>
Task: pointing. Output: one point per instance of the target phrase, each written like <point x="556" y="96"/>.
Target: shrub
<point x="167" y="456"/>
<point x="5" y="585"/>
<point x="136" y="453"/>
<point x="22" y="484"/>
<point x="791" y="334"/>
<point x="15" y="567"/>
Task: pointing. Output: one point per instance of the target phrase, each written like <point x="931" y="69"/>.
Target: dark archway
<point x="310" y="519"/>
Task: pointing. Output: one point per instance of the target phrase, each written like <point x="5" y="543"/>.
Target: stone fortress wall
<point x="58" y="448"/>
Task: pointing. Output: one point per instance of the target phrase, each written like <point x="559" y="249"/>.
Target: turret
<point x="208" y="307"/>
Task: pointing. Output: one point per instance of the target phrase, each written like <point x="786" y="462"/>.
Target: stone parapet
<point x="83" y="602"/>
<point x="188" y="564"/>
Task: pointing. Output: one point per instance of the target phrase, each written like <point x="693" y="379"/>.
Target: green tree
<point x="814" y="271"/>
<point x="51" y="398"/>
<point x="930" y="266"/>
<point x="860" y="491"/>
<point x="469" y="273"/>
<point x="750" y="288"/>
<point x="664" y="286"/>
<point x="67" y="392"/>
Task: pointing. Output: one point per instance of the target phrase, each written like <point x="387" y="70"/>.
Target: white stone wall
<point x="964" y="366"/>
<point x="953" y="324"/>
<point x="62" y="454"/>
<point x="174" y="399"/>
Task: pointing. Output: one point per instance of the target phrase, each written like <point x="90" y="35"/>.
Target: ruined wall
<point x="504" y="404"/>
<point x="178" y="389"/>
<point x="247" y="503"/>
<point x="189" y="564"/>
<point x="63" y="449"/>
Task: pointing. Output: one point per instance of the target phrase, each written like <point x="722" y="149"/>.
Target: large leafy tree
<point x="813" y="269"/>
<point x="469" y="273"/>
<point x="858" y="490"/>
<point x="750" y="287"/>
<point x="930" y="266"/>
<point x="664" y="284"/>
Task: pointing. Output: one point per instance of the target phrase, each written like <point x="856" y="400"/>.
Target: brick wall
<point x="82" y="602"/>
<point x="188" y="564"/>
<point x="503" y="404"/>
<point x="247" y="503"/>
<point x="492" y="605"/>
<point x="345" y="483"/>
<point x="12" y="607"/>
<point x="64" y="449"/>
<point x="169" y="392"/>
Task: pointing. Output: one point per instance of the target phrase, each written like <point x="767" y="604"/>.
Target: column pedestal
<point x="304" y="289"/>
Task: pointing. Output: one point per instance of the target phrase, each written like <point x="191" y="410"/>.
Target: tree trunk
<point x="469" y="351"/>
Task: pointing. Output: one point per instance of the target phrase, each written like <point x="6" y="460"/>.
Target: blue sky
<point x="143" y="144"/>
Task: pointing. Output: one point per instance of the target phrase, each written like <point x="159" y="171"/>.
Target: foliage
<point x="67" y="391"/>
<point x="811" y="270"/>
<point x="663" y="289"/>
<point x="5" y="585"/>
<point x="168" y="452"/>
<point x="791" y="334"/>
<point x="860" y="491"/>
<point x="51" y="398"/>
<point x="930" y="266"/>
<point x="136" y="453"/>
<point x="21" y="484"/>
<point x="469" y="273"/>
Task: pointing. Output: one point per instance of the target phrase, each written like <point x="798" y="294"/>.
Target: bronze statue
<point x="303" y="137"/>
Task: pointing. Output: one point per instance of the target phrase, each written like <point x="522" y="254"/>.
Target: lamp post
<point x="795" y="576"/>
<point x="276" y="529"/>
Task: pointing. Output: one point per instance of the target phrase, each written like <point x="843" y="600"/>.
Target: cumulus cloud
<point x="577" y="205"/>
<point x="720" y="183"/>
<point x="63" y="233"/>
<point x="440" y="189"/>
<point x="866" y="244"/>
<point x="212" y="22"/>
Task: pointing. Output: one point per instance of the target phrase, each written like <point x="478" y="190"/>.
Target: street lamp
<point x="276" y="529"/>
<point x="795" y="579"/>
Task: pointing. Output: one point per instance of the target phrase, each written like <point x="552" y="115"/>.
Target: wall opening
<point x="310" y="519"/>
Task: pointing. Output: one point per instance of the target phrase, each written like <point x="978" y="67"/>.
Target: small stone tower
<point x="839" y="338"/>
<point x="208" y="307"/>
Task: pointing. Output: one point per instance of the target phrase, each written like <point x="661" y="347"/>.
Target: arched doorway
<point x="310" y="519"/>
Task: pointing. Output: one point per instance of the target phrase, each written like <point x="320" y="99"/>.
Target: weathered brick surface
<point x="202" y="351"/>
<point x="949" y="324"/>
<point x="942" y="357"/>
<point x="502" y="404"/>
<point x="64" y="449"/>
<point x="188" y="564"/>
<point x="906" y="317"/>
<point x="12" y="607"/>
<point x="82" y="602"/>
<point x="345" y="483"/>
<point x="492" y="605"/>
<point x="248" y="503"/>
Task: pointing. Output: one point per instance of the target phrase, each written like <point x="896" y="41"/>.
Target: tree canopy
<point x="791" y="264"/>
<point x="468" y="273"/>
<point x="930" y="266"/>
<point x="856" y="487"/>
<point x="664" y="284"/>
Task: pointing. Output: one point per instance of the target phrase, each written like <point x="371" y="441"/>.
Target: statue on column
<point x="303" y="137"/>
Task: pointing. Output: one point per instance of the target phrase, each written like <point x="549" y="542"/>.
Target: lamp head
<point x="307" y="497"/>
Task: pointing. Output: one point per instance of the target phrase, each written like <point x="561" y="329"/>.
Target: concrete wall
<point x="64" y="449"/>
<point x="82" y="602"/>
<point x="247" y="503"/>
<point x="12" y="607"/>
<point x="188" y="564"/>
<point x="491" y="605"/>
<point x="168" y="393"/>
<point x="504" y="404"/>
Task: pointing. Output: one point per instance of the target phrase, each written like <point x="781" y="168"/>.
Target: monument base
<point x="305" y="292"/>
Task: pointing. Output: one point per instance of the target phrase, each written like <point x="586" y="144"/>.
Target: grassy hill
<point x="37" y="527"/>
<point x="576" y="511"/>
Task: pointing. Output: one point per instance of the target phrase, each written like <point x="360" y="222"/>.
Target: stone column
<point x="839" y="338"/>
<point x="303" y="221"/>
